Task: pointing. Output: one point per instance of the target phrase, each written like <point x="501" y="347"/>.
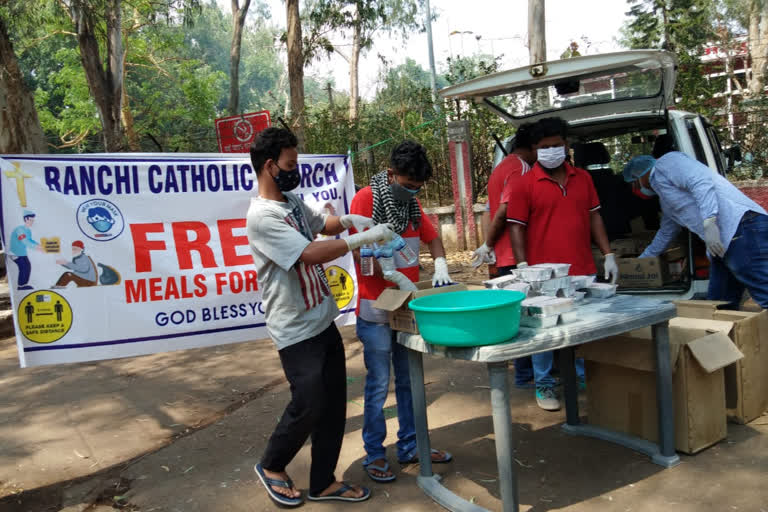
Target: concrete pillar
<point x="461" y="178"/>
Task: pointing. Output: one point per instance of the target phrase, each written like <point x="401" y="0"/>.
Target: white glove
<point x="712" y="237"/>
<point x="483" y="254"/>
<point x="378" y="233"/>
<point x="400" y="280"/>
<point x="611" y="268"/>
<point x="522" y="264"/>
<point x="441" y="277"/>
<point x="360" y="222"/>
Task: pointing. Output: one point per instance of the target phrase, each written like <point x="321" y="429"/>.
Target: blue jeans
<point x="379" y="349"/>
<point x="542" y="369"/>
<point x="745" y="264"/>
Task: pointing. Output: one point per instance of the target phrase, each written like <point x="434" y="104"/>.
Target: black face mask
<point x="287" y="180"/>
<point x="402" y="194"/>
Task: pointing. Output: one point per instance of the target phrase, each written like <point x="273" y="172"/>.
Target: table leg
<point x="416" y="370"/>
<point x="664" y="393"/>
<point x="571" y="387"/>
<point x="502" y="427"/>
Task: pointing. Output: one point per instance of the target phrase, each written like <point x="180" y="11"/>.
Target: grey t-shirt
<point x="298" y="303"/>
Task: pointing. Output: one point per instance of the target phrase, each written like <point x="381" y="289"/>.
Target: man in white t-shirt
<point x="300" y="310"/>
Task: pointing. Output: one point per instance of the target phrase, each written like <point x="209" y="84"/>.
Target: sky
<point x="502" y="29"/>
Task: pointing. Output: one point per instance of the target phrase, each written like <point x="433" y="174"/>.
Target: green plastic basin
<point x="468" y="318"/>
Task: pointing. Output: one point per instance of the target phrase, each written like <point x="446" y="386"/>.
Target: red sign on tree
<point x="235" y="133"/>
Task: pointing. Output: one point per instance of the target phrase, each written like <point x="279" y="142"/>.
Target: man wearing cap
<point x="83" y="273"/>
<point x="21" y="241"/>
<point x="734" y="228"/>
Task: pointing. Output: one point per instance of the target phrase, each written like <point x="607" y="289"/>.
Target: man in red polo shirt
<point x="498" y="245"/>
<point x="554" y="214"/>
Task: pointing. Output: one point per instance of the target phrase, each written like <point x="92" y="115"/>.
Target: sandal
<point x="415" y="458"/>
<point x="339" y="494"/>
<point x="370" y="468"/>
<point x="276" y="496"/>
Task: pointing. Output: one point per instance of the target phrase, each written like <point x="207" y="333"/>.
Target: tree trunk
<point x="238" y="22"/>
<point x="295" y="70"/>
<point x="20" y="130"/>
<point x="354" y="60"/>
<point x="106" y="86"/>
<point x="758" y="46"/>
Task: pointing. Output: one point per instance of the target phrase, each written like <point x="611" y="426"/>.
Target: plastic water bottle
<point x="404" y="250"/>
<point x="366" y="260"/>
<point x="384" y="253"/>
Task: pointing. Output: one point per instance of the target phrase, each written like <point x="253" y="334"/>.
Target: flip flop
<point x="369" y="468"/>
<point x="338" y="495"/>
<point x="415" y="459"/>
<point x="276" y="496"/>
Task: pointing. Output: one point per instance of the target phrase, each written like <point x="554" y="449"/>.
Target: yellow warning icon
<point x="44" y="316"/>
<point x="342" y="285"/>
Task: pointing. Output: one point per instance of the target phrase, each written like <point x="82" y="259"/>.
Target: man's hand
<point x="483" y="254"/>
<point x="360" y="222"/>
<point x="522" y="264"/>
<point x="401" y="281"/>
<point x="378" y="233"/>
<point x="712" y="237"/>
<point x="611" y="268"/>
<point x="441" y="277"/>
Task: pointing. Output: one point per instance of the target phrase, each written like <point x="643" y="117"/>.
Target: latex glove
<point x="611" y="268"/>
<point x="712" y="237"/>
<point x="441" y="277"/>
<point x="359" y="222"/>
<point x="378" y="233"/>
<point x="522" y="264"/>
<point x="400" y="280"/>
<point x="483" y="254"/>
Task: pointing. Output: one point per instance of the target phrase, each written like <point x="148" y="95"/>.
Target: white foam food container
<point x="551" y="284"/>
<point x="533" y="274"/>
<point x="601" y="290"/>
<point x="546" y="305"/>
<point x="581" y="282"/>
<point x="558" y="269"/>
<point x="499" y="282"/>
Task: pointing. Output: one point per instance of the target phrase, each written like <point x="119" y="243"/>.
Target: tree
<point x="295" y="69"/>
<point x="20" y="129"/>
<point x="105" y="82"/>
<point x="238" y="22"/>
<point x="758" y="46"/>
<point x="361" y="20"/>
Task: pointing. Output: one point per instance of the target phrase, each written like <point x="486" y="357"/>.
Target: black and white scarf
<point x="387" y="210"/>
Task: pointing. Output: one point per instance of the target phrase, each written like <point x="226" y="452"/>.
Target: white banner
<point x="115" y="255"/>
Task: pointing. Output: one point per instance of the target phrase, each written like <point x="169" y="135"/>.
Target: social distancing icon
<point x="44" y="316"/>
<point x="342" y="285"/>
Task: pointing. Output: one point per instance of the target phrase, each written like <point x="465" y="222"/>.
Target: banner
<point x="116" y="255"/>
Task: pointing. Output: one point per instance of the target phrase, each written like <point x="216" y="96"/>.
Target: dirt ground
<point x="181" y="431"/>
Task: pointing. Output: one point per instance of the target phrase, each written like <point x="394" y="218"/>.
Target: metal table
<point x="597" y="319"/>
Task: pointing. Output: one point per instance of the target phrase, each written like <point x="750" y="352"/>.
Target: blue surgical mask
<point x="647" y="191"/>
<point x="102" y="226"/>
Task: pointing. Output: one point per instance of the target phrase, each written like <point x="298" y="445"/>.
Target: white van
<point x="617" y="106"/>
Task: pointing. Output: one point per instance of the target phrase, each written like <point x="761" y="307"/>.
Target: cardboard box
<point x="624" y="247"/>
<point x="621" y="385"/>
<point x="675" y="253"/>
<point x="746" y="382"/>
<point x="395" y="303"/>
<point x="642" y="272"/>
